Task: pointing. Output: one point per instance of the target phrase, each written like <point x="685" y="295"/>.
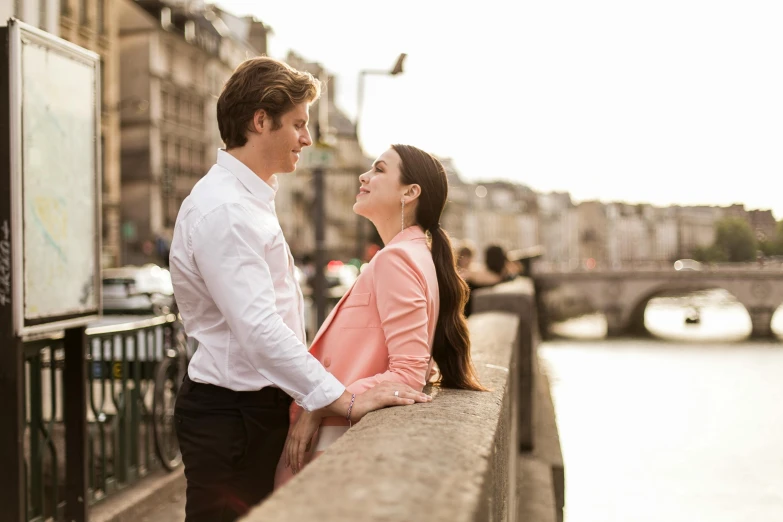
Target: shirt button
<point x="327" y="362"/>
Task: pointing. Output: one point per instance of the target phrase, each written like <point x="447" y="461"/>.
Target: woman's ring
<point x="396" y="394"/>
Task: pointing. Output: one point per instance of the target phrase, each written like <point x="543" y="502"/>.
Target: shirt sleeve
<point x="229" y="253"/>
<point x="402" y="305"/>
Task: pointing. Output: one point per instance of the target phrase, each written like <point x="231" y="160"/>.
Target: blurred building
<point x="345" y="232"/>
<point x="453" y="219"/>
<point x="91" y="24"/>
<point x="176" y="56"/>
<point x="43" y="14"/>
<point x="696" y="228"/>
<point x="665" y="234"/>
<point x="558" y="231"/>
<point x="490" y="213"/>
<point x="763" y="224"/>
<point x="593" y="231"/>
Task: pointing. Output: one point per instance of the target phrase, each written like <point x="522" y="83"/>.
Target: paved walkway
<point x="171" y="509"/>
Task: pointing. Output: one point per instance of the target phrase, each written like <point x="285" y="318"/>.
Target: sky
<point x="665" y="102"/>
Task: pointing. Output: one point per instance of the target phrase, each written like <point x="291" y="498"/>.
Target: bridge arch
<point x="635" y="322"/>
<point x="623" y="296"/>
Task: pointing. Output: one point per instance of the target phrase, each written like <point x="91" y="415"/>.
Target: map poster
<point x="54" y="227"/>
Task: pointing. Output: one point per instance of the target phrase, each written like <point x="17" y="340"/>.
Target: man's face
<point x="283" y="146"/>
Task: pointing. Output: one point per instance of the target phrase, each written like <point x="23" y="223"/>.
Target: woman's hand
<point x="385" y="394"/>
<point x="299" y="438"/>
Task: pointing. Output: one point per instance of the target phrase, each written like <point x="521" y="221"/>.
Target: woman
<point x="404" y="310"/>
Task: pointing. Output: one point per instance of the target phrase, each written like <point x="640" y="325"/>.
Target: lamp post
<point x="324" y="140"/>
<point x="394" y="71"/>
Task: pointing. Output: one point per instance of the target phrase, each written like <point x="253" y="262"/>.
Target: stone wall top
<point x="426" y="461"/>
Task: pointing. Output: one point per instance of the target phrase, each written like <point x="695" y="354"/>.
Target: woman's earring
<point x="402" y="220"/>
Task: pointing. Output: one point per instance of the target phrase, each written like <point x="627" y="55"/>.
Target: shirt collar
<point x="260" y="189"/>
<point x="409" y="234"/>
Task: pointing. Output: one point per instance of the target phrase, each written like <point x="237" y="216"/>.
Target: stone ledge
<point x="518" y="296"/>
<point x="427" y="461"/>
<point x="547" y="441"/>
<point x="535" y="490"/>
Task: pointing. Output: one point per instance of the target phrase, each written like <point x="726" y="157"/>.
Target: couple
<point x="233" y="277"/>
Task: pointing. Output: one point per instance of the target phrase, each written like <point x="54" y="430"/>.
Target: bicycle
<point x="168" y="378"/>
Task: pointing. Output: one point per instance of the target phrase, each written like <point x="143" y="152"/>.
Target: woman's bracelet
<point x="350" y="407"/>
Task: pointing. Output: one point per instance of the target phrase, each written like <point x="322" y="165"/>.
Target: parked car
<point x="137" y="290"/>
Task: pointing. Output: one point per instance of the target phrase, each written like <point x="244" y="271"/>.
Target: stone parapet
<point x="456" y="458"/>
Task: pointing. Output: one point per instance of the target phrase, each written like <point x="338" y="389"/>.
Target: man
<point x="236" y="290"/>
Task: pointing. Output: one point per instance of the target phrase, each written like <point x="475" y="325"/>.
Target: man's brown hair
<point x="261" y="83"/>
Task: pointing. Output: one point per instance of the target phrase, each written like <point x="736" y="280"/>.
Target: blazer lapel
<point x="330" y="318"/>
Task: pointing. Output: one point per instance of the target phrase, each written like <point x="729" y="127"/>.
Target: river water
<point x="687" y="427"/>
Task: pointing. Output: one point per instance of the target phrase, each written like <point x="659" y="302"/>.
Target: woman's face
<point x="380" y="192"/>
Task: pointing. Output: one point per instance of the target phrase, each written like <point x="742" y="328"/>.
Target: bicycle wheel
<point x="167" y="381"/>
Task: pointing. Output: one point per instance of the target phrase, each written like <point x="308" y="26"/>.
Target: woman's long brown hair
<point x="451" y="348"/>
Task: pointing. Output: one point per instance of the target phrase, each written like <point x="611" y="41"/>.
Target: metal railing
<point x="121" y="360"/>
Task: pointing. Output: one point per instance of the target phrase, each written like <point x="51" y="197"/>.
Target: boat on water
<point x="693" y="316"/>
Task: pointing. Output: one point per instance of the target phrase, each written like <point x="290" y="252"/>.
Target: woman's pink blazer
<point x="383" y="327"/>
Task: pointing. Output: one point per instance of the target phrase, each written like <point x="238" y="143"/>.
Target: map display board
<point x="55" y="181"/>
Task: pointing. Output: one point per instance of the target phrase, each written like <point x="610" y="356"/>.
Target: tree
<point x="710" y="254"/>
<point x="768" y="247"/>
<point x="773" y="246"/>
<point x="735" y="239"/>
<point x="777" y="242"/>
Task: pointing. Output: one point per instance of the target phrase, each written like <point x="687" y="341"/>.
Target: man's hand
<point x="383" y="395"/>
<point x="299" y="439"/>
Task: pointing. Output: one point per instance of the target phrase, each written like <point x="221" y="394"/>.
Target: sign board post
<point x="50" y="229"/>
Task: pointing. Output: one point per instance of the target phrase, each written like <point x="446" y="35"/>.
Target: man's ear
<point x="260" y="121"/>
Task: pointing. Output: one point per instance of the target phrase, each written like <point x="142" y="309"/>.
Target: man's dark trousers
<point x="231" y="443"/>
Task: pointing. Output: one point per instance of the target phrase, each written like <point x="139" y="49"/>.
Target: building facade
<point x="696" y="228"/>
<point x="343" y="161"/>
<point x="176" y="57"/>
<point x="593" y="231"/>
<point x="43" y="14"/>
<point x="490" y="213"/>
<point x="558" y="231"/>
<point x="91" y="24"/>
<point x="763" y="224"/>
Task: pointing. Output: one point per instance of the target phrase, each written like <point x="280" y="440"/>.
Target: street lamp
<point x="394" y="71"/>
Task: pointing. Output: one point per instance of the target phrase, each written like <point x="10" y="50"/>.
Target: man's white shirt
<point x="235" y="286"/>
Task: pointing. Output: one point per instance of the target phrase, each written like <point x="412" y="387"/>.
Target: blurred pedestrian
<point x="465" y="255"/>
<point x="495" y="271"/>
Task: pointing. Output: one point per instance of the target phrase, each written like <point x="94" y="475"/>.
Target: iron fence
<point x="120" y="365"/>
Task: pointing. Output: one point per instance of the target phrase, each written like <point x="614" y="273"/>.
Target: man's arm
<point x="228" y="250"/>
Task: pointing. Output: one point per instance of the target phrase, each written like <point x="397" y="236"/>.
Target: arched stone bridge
<point x="623" y="295"/>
